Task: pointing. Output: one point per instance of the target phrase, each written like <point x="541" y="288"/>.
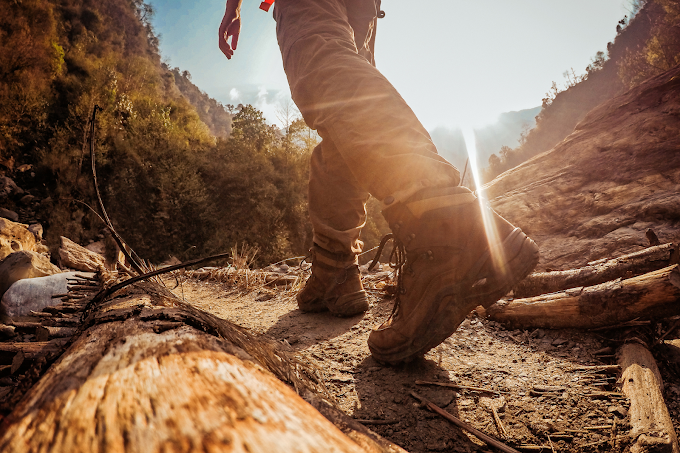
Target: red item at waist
<point x="266" y="4"/>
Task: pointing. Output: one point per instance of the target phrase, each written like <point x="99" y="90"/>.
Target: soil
<point x="536" y="380"/>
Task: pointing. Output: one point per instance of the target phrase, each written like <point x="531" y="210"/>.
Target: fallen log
<point x="627" y="266"/>
<point x="151" y="373"/>
<point x="651" y="425"/>
<point x="652" y="295"/>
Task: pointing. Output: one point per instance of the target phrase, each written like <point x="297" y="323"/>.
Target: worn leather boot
<point x="335" y="285"/>
<point x="447" y="266"/>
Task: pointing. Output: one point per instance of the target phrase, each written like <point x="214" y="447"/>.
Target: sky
<point x="458" y="63"/>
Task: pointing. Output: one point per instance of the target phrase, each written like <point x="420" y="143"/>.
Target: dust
<point x="541" y="384"/>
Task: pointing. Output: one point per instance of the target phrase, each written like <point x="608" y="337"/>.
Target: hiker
<point x="372" y="143"/>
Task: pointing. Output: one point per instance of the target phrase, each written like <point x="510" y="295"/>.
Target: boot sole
<point x="348" y="304"/>
<point x="521" y="255"/>
<point x="343" y="307"/>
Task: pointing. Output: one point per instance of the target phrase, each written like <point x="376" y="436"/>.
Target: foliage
<point x="647" y="43"/>
<point x="175" y="178"/>
<point x="661" y="50"/>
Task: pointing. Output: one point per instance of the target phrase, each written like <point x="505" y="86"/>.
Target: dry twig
<point x="459" y="387"/>
<point x="461" y="424"/>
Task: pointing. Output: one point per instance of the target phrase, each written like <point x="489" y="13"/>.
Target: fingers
<point x="234" y="40"/>
<point x="232" y="30"/>
<point x="224" y="46"/>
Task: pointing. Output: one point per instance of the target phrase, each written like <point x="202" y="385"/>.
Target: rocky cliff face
<point x="597" y="192"/>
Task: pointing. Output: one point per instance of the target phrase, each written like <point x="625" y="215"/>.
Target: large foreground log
<point x="153" y="374"/>
<point x="652" y="295"/>
<point x="651" y="425"/>
<point x="633" y="264"/>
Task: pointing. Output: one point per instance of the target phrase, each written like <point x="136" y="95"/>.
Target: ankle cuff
<point x="322" y="256"/>
<point x="420" y="207"/>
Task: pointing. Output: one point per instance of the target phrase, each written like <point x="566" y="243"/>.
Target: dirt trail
<point x="541" y="396"/>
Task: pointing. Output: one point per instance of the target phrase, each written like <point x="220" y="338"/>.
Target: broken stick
<point x="458" y="387"/>
<point x="461" y="424"/>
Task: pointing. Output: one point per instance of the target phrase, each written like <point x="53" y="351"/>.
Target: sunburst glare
<point x="497" y="253"/>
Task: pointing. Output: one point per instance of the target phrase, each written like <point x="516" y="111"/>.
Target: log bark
<point x="652" y="295"/>
<point x="651" y="425"/>
<point x="150" y="373"/>
<point x="627" y="266"/>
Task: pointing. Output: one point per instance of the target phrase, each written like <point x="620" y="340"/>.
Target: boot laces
<point x="397" y="261"/>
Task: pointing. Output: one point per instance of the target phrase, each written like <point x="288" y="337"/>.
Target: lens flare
<point x="492" y="237"/>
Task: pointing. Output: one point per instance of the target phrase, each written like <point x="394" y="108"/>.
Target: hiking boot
<point x="335" y="285"/>
<point x="446" y="266"/>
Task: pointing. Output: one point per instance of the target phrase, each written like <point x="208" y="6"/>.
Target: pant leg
<point x="350" y="103"/>
<point x="337" y="204"/>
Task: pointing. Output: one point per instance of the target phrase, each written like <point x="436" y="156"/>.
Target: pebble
<point x="7" y="331"/>
<point x="8" y="214"/>
<point x="619" y="411"/>
<point x="559" y="341"/>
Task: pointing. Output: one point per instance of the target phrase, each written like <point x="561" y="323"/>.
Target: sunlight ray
<point x="492" y="237"/>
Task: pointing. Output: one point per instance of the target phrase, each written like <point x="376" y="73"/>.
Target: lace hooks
<point x="397" y="261"/>
<point x="383" y="242"/>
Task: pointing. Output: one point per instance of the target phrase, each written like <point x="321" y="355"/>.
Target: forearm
<point x="233" y="8"/>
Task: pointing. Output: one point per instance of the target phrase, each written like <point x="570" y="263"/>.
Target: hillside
<point x="597" y="192"/>
<point x="646" y="45"/>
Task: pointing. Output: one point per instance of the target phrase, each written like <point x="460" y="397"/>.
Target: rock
<point x="7" y="332"/>
<point x="27" y="199"/>
<point x="619" y="411"/>
<point x="24" y="264"/>
<point x="37" y="231"/>
<point x="77" y="257"/>
<point x="34" y="294"/>
<point x="576" y="205"/>
<point x="15" y="237"/>
<point x="7" y="214"/>
<point x="96" y="247"/>
<point x="8" y="187"/>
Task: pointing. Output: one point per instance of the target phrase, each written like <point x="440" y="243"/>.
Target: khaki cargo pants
<point x="372" y="142"/>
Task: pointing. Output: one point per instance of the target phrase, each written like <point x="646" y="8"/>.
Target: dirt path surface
<point x="538" y="381"/>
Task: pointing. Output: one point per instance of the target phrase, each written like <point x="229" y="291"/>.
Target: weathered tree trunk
<point x="652" y="427"/>
<point x="633" y="264"/>
<point x="153" y="374"/>
<point x="652" y="295"/>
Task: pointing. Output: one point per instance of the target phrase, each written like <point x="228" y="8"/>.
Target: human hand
<point x="230" y="27"/>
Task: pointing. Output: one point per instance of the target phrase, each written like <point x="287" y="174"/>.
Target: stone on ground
<point x="9" y="214"/>
<point x="15" y="237"/>
<point x="24" y="264"/>
<point x="34" y="294"/>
